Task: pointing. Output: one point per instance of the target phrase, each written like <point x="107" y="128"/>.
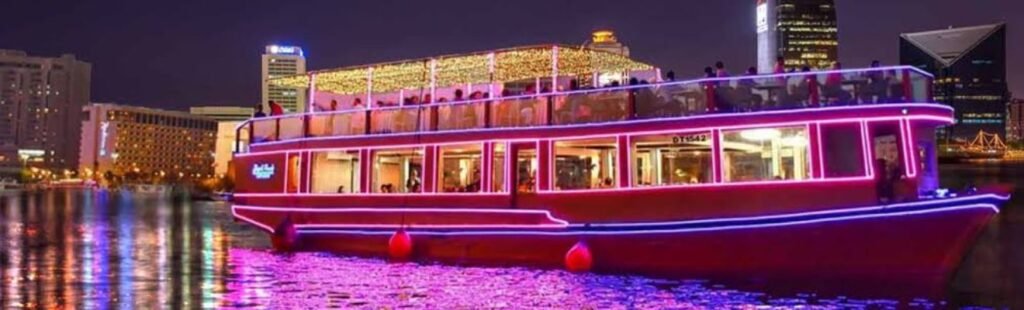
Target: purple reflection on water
<point x="102" y="250"/>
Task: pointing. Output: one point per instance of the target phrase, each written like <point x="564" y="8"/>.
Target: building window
<point x="585" y="164"/>
<point x="460" y="168"/>
<point x="765" y="154"/>
<point x="398" y="171"/>
<point x="672" y="159"/>
<point x="526" y="170"/>
<point x="335" y="172"/>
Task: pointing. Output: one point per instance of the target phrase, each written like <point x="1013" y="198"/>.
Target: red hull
<point x="919" y="245"/>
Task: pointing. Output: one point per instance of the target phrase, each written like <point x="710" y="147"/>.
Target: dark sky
<point x="175" y="54"/>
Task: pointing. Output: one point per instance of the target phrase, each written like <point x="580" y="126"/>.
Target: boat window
<point x="398" y="170"/>
<point x="498" y="169"/>
<point x="460" y="167"/>
<point x="672" y="159"/>
<point x="526" y="170"/>
<point x="842" y="150"/>
<point x="335" y="172"/>
<point x="585" y="164"/>
<point x="765" y="154"/>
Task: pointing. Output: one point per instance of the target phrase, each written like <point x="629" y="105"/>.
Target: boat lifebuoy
<point x="400" y="245"/>
<point x="578" y="258"/>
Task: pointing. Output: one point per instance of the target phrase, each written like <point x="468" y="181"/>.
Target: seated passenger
<point x="877" y="85"/>
<point x="412" y="185"/>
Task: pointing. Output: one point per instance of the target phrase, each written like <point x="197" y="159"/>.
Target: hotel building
<point x="227" y="119"/>
<point x="969" y="65"/>
<point x="153" y="143"/>
<point x="40" y="103"/>
<point x="804" y="32"/>
<point x="281" y="61"/>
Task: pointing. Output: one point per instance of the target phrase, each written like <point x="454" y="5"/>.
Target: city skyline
<point x="225" y="40"/>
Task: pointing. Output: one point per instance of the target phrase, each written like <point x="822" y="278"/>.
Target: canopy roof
<point x="949" y="45"/>
<point x="513" y="64"/>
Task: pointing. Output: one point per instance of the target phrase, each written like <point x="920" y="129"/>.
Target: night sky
<point x="176" y="54"/>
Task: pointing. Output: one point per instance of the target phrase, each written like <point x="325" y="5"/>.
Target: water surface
<point x="82" y="249"/>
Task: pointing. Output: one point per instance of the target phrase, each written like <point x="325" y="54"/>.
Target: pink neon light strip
<point x="990" y="207"/>
<point x="545" y="213"/>
<point x="869" y="161"/>
<point x="251" y="221"/>
<point x="821" y="152"/>
<point x="944" y="119"/>
<point x="639" y="121"/>
<point x="810" y="158"/>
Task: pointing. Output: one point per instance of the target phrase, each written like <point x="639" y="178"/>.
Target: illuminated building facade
<point x="1015" y="121"/>
<point x="279" y="61"/>
<point x="228" y="118"/>
<point x="153" y="144"/>
<point x="40" y="104"/>
<point x="804" y="32"/>
<point x="969" y="65"/>
<point x="605" y="40"/>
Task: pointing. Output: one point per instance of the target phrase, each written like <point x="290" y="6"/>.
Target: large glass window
<point x="398" y="171"/>
<point x="585" y="164"/>
<point x="498" y="168"/>
<point x="842" y="150"/>
<point x="335" y="172"/>
<point x="672" y="159"/>
<point x="526" y="170"/>
<point x="460" y="167"/>
<point x="765" y="154"/>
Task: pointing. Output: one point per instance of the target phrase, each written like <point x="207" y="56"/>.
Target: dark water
<point x="76" y="249"/>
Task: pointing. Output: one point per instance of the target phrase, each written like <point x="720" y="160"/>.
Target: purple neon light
<point x="986" y="206"/>
<point x="945" y="119"/>
<point x="561" y="223"/>
<point x="557" y="222"/>
<point x="717" y="147"/>
<point x="639" y="121"/>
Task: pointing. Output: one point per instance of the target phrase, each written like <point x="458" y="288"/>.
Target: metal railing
<point x="641" y="101"/>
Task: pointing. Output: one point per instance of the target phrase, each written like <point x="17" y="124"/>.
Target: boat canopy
<point x="506" y="65"/>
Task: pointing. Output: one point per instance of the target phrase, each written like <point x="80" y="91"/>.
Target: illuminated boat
<point x="524" y="154"/>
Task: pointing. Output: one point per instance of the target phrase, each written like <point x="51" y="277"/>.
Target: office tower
<point x="804" y="32"/>
<point x="281" y="61"/>
<point x="41" y="100"/>
<point x="1015" y="121"/>
<point x="969" y="65"/>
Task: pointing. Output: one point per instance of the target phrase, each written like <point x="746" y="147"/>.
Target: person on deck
<point x="275" y="109"/>
<point x="259" y="112"/>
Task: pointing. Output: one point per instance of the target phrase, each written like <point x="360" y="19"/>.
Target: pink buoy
<point x="284" y="236"/>
<point x="578" y="258"/>
<point x="400" y="245"/>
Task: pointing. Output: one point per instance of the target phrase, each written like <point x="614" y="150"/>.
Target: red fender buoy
<point x="400" y="245"/>
<point x="284" y="236"/>
<point x="578" y="258"/>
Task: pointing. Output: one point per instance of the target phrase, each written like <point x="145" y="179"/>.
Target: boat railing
<point x="738" y="94"/>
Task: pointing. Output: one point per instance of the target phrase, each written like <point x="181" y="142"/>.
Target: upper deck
<point x="642" y="99"/>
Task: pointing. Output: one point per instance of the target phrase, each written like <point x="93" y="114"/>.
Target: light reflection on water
<point x="106" y="250"/>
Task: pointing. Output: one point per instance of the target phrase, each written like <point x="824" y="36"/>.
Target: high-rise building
<point x="803" y="32"/>
<point x="41" y="100"/>
<point x="281" y="61"/>
<point x="1015" y="121"/>
<point x="969" y="65"/>
<point x="227" y="119"/>
<point x="147" y="143"/>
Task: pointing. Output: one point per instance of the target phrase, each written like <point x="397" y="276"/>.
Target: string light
<point x="516" y="64"/>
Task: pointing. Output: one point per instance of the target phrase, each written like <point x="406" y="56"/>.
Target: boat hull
<point x="912" y="243"/>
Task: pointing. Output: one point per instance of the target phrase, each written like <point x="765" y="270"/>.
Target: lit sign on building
<point x="103" y="138"/>
<point x="762" y="17"/>
<point x="263" y="171"/>
<point x="284" y="50"/>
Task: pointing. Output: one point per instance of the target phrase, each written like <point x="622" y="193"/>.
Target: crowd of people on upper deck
<point x="784" y="88"/>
